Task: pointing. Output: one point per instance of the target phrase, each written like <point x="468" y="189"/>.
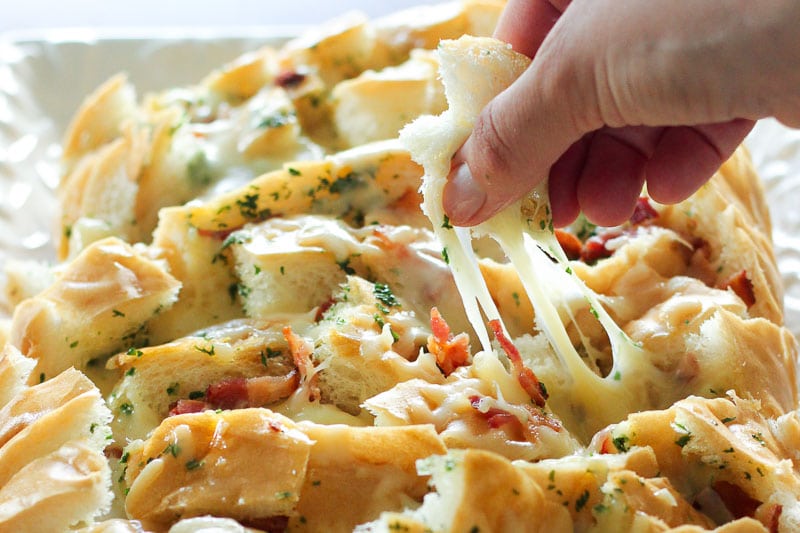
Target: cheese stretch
<point x="524" y="230"/>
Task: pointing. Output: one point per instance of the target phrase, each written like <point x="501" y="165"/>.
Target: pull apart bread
<point x="263" y="321"/>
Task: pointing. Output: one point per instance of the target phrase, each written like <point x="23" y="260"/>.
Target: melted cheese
<point x="524" y="232"/>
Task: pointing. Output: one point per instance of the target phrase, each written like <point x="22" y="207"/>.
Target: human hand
<point x="621" y="92"/>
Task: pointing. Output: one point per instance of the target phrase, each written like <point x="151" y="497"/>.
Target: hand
<point x="621" y="92"/>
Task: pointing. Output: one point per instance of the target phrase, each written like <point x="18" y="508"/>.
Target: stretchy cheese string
<point x="525" y="233"/>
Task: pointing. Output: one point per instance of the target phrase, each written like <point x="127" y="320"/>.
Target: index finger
<point x="525" y="23"/>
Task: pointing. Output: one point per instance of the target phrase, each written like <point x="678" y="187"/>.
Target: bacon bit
<point x="495" y="417"/>
<point x="571" y="244"/>
<point x="182" y="407"/>
<point x="643" y="211"/>
<point x="113" y="452"/>
<point x="450" y="352"/>
<point x="527" y="379"/>
<point x="742" y="286"/>
<point x="230" y="393"/>
<point x="220" y="234"/>
<point x="301" y="355"/>
<point x="769" y="514"/>
<point x="323" y="308"/>
<point x="701" y="245"/>
<point x="517" y="430"/>
<point x="595" y="246"/>
<point x="289" y="79"/>
<point x="738" y="502"/>
<point x="608" y="445"/>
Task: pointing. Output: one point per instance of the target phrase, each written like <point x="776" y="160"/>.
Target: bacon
<point x="301" y="355"/>
<point x="240" y="393"/>
<point x="230" y="393"/>
<point x="323" y="308"/>
<point x="742" y="286"/>
<point x="527" y="379"/>
<point x="769" y="514"/>
<point x="497" y="418"/>
<point x="595" y="246"/>
<point x="182" y="407"/>
<point x="450" y="351"/>
<point x="643" y="211"/>
<point x="571" y="244"/>
<point x="289" y="79"/>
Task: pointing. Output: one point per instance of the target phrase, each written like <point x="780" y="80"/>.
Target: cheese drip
<point x="525" y="233"/>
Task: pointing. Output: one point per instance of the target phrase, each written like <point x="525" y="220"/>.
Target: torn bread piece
<point x="202" y="463"/>
<point x="99" y="304"/>
<point x="53" y="473"/>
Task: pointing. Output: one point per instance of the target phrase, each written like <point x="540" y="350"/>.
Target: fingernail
<point x="463" y="197"/>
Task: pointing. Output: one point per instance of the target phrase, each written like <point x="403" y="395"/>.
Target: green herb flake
<point x="173" y="449"/>
<point x="173" y="388"/>
<point x="683" y="440"/>
<point x="383" y="294"/>
<point x="283" y="495"/>
<point x="196" y="395"/>
<point x="117" y="312"/>
<point x="126" y="408"/>
<point x="134" y="352"/>
<point x="198" y="170"/>
<point x="621" y="443"/>
<point x="293" y="171"/>
<point x="73" y="344"/>
<point x="193" y="464"/>
<point x="446" y="223"/>
<point x="580" y="503"/>
<point x="346" y="183"/>
<point x="728" y="419"/>
<point x="131" y="371"/>
<point x="207" y="351"/>
<point x="445" y="256"/>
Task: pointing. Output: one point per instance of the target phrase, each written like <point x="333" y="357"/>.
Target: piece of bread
<point x="477" y="491"/>
<point x="155" y="378"/>
<point x="376" y="105"/>
<point x="193" y="465"/>
<point x="53" y="474"/>
<point x="99" y="304"/>
<point x="721" y="450"/>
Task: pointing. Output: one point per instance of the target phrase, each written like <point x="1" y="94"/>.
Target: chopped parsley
<point x="621" y="443"/>
<point x="193" y="464"/>
<point x="198" y="170"/>
<point x="126" y="408"/>
<point x="384" y="295"/>
<point x="207" y="351"/>
<point x="580" y="503"/>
